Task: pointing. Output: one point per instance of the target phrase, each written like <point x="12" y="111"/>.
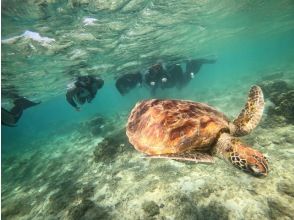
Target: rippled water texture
<point x="112" y="37"/>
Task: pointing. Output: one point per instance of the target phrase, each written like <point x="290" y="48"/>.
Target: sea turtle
<point x="193" y="131"/>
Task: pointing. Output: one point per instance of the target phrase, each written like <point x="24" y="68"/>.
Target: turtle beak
<point x="254" y="169"/>
<point x="260" y="167"/>
<point x="250" y="161"/>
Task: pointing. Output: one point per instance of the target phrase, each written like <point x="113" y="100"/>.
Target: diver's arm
<point x="69" y="97"/>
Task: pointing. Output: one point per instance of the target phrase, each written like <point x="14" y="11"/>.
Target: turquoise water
<point x="54" y="166"/>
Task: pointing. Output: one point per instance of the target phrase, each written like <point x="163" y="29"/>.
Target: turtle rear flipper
<point x="196" y="157"/>
<point x="250" y="115"/>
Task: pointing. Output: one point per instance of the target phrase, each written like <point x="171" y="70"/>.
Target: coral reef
<point x="97" y="126"/>
<point x="286" y="187"/>
<point x="279" y="209"/>
<point x="111" y="146"/>
<point x="150" y="208"/>
<point x="285" y="104"/>
<point x="87" y="210"/>
<point x="281" y="94"/>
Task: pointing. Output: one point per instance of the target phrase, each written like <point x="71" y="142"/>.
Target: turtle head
<point x="249" y="160"/>
<point x="242" y="156"/>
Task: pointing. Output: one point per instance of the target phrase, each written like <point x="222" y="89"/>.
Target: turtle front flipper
<point x="197" y="157"/>
<point x="241" y="156"/>
<point x="250" y="115"/>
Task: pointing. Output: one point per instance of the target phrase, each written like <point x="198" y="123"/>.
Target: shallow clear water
<point x="53" y="166"/>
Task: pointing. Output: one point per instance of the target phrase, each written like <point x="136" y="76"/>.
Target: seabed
<point x="92" y="172"/>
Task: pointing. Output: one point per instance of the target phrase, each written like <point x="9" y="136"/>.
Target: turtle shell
<point x="172" y="126"/>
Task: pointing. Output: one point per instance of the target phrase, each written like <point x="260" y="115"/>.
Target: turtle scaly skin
<point x="251" y="114"/>
<point x="186" y="130"/>
<point x="241" y="155"/>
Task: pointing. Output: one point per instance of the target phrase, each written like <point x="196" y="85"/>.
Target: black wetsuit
<point x="154" y="77"/>
<point x="192" y="68"/>
<point x="82" y="90"/>
<point x="175" y="77"/>
<point x="10" y="118"/>
<point x="127" y="82"/>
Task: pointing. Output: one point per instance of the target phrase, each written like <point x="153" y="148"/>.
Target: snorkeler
<point x="83" y="89"/>
<point x="10" y="118"/>
<point x="127" y="82"/>
<point x="174" y="78"/>
<point x="155" y="76"/>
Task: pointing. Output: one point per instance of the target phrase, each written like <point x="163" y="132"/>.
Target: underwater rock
<point x="188" y="208"/>
<point x="184" y="206"/>
<point x="99" y="120"/>
<point x="98" y="126"/>
<point x="96" y="131"/>
<point x="87" y="191"/>
<point x="273" y="120"/>
<point x="279" y="209"/>
<point x="87" y="210"/>
<point x="57" y="203"/>
<point x="271" y="87"/>
<point x="95" y="125"/>
<point x="78" y="211"/>
<point x="286" y="188"/>
<point x="95" y="213"/>
<point x="150" y="208"/>
<point x="213" y="211"/>
<point x="112" y="145"/>
<point x="286" y="105"/>
<point x="282" y="96"/>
